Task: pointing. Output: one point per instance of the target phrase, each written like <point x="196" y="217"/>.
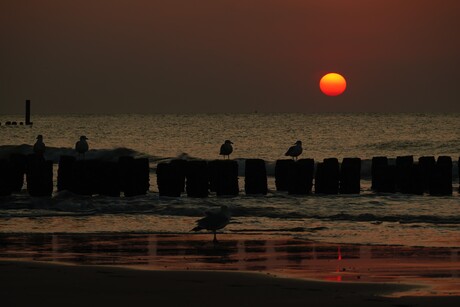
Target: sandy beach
<point x="39" y="284"/>
<point x="188" y="270"/>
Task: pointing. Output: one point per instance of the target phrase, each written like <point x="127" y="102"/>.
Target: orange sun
<point x="332" y="84"/>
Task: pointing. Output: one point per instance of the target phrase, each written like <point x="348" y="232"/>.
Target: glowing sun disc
<point x="332" y="84"/>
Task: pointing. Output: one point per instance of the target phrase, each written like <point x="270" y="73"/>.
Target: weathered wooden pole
<point x="327" y="177"/>
<point x="28" y="122"/>
<point x="300" y="180"/>
<point x="383" y="175"/>
<point x="441" y="181"/>
<point x="168" y="181"/>
<point x="282" y="174"/>
<point x="350" y="176"/>
<point x="18" y="168"/>
<point x="39" y="176"/>
<point x="227" y="178"/>
<point x="197" y="180"/>
<point x="135" y="176"/>
<point x="5" y="178"/>
<point x="255" y="178"/>
<point x="65" y="176"/>
<point x="180" y="166"/>
<point x="85" y="177"/>
<point x="427" y="165"/>
<point x="109" y="179"/>
<point x="404" y="174"/>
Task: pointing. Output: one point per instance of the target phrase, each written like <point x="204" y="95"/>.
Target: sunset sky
<point x="149" y="56"/>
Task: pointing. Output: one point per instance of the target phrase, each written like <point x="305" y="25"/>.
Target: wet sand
<point x="190" y="270"/>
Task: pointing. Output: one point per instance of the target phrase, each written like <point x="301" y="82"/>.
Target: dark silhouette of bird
<point x="81" y="147"/>
<point x="226" y="149"/>
<point x="39" y="146"/>
<point x="214" y="221"/>
<point x="294" y="151"/>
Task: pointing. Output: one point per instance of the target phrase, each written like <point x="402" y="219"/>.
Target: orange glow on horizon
<point x="332" y="84"/>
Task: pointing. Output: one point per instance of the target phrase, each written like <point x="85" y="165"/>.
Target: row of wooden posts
<point x="198" y="178"/>
<point x="82" y="177"/>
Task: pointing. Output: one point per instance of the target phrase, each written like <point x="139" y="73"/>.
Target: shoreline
<point x="50" y="284"/>
<point x="436" y="270"/>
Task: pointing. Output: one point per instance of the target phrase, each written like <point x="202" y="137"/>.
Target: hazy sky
<point x="152" y="56"/>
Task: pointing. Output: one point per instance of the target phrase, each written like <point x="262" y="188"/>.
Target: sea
<point x="367" y="218"/>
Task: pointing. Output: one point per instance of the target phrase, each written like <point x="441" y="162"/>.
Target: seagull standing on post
<point x="81" y="147"/>
<point x="294" y="151"/>
<point x="226" y="149"/>
<point x="214" y="221"/>
<point x="39" y="146"/>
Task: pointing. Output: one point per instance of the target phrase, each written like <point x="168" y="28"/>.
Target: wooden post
<point x="84" y="177"/>
<point x="427" y="165"/>
<point x="5" y="178"/>
<point x="18" y="168"/>
<point x="441" y="181"/>
<point x="213" y="173"/>
<point x="350" y="176"/>
<point x="255" y="180"/>
<point x="180" y="166"/>
<point x="327" y="177"/>
<point x="28" y="122"/>
<point x="227" y="178"/>
<point x="135" y="176"/>
<point x="404" y="171"/>
<point x="282" y="174"/>
<point x="39" y="176"/>
<point x="196" y="176"/>
<point x="65" y="176"/>
<point x="109" y="179"/>
<point x="300" y="181"/>
<point x="383" y="175"/>
<point x="169" y="183"/>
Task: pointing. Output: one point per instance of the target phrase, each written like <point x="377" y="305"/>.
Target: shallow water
<point x="367" y="218"/>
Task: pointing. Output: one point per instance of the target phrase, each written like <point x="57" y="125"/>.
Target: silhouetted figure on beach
<point x="226" y="149"/>
<point x="81" y="147"/>
<point x="39" y="146"/>
<point x="294" y="151"/>
<point x="214" y="221"/>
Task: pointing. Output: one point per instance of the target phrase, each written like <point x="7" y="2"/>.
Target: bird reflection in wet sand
<point x="214" y="221"/>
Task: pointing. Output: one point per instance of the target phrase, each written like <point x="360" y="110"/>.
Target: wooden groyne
<point x="27" y="118"/>
<point x="83" y="177"/>
<point x="198" y="178"/>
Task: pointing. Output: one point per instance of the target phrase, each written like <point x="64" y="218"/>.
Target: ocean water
<point x="367" y="218"/>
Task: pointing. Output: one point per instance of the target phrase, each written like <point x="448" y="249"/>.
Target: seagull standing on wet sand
<point x="39" y="146"/>
<point x="81" y="147"/>
<point x="294" y="151"/>
<point x="214" y="221"/>
<point x="226" y="149"/>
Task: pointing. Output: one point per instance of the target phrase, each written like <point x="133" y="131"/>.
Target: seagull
<point x="294" y="151"/>
<point x="82" y="146"/>
<point x="214" y="221"/>
<point x="226" y="149"/>
<point x="39" y="146"/>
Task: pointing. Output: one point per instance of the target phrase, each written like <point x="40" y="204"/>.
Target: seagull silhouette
<point x="226" y="149"/>
<point x="39" y="146"/>
<point x="214" y="221"/>
<point x="81" y="147"/>
<point x="294" y="151"/>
